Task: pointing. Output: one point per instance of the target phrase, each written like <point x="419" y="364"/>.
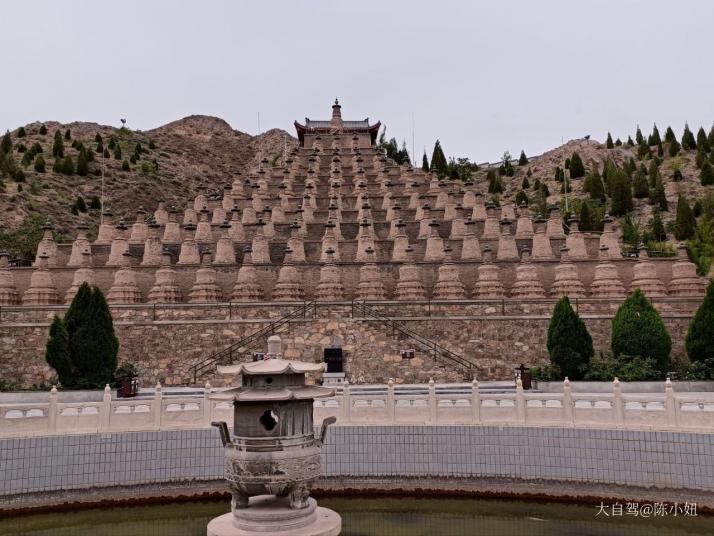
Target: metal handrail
<point x="225" y="354"/>
<point x="439" y="350"/>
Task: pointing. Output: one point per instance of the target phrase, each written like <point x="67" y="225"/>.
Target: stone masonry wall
<point x="164" y="342"/>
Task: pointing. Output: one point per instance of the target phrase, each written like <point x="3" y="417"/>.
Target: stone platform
<point x="268" y="514"/>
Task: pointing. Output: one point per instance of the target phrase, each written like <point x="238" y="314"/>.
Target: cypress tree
<point x="125" y="165"/>
<point x="654" y="138"/>
<point x="638" y="330"/>
<point x="495" y="185"/>
<point x="586" y="218"/>
<point x="630" y="142"/>
<point x="525" y="184"/>
<point x="82" y="166"/>
<point x="67" y="135"/>
<point x="521" y="198"/>
<point x="544" y="190"/>
<point x="706" y="175"/>
<point x="674" y="148"/>
<point x="618" y="142"/>
<point x="594" y="186"/>
<point x="660" y="150"/>
<point x="658" y="198"/>
<point x="6" y="143"/>
<point x="97" y="137"/>
<point x="106" y="154"/>
<point x="685" y="222"/>
<point x="438" y="160"/>
<point x="639" y="138"/>
<point x="620" y="193"/>
<point x="669" y="136"/>
<point x="643" y="151"/>
<point x="152" y="145"/>
<point x="80" y="204"/>
<point x="117" y="152"/>
<point x="700" y="157"/>
<point x="21" y="132"/>
<point x="640" y="186"/>
<point x="95" y="203"/>
<point x="608" y="142"/>
<point x="569" y="344"/>
<point x="57" y="353"/>
<point x="656" y="227"/>
<point x="58" y="146"/>
<point x="688" y="142"/>
<point x="697" y="209"/>
<point x="424" y="162"/>
<point x="700" y="336"/>
<point x="67" y="165"/>
<point x="536" y="185"/>
<point x="702" y="141"/>
<point x="523" y="159"/>
<point x="576" y="167"/>
<point x="43" y="130"/>
<point x="39" y="164"/>
<point x="653" y="173"/>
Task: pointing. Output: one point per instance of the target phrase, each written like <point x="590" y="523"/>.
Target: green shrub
<point x="57" y="353"/>
<point x="685" y="222"/>
<point x="638" y="330"/>
<point x="569" y="344"/>
<point x="624" y="368"/>
<point x="547" y="373"/>
<point x="700" y="337"/>
<point x="67" y="165"/>
<point x="125" y="165"/>
<point x="706" y="175"/>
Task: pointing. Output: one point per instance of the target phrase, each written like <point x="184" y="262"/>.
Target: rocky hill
<point x="173" y="160"/>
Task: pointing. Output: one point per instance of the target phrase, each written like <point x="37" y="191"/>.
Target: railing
<point x="438" y="351"/>
<point x="239" y="348"/>
<point x="433" y="404"/>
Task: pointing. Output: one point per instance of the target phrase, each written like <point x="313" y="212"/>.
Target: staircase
<point x="439" y="352"/>
<point x="239" y="348"/>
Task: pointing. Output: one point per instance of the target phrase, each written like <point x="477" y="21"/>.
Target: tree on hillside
<point x="630" y="143"/>
<point x="438" y="160"/>
<point x="688" y="143"/>
<point x="685" y="222"/>
<point x="653" y="173"/>
<point x="424" y="162"/>
<point x="525" y="183"/>
<point x="702" y="141"/>
<point x="58" y="145"/>
<point x="43" y="130"/>
<point x="654" y="138"/>
<point x="608" y="142"/>
<point x="586" y="218"/>
<point x="658" y="197"/>
<point x="674" y="148"/>
<point x="523" y="159"/>
<point x="669" y="136"/>
<point x="57" y="353"/>
<point x="506" y="168"/>
<point x="639" y="138"/>
<point x="640" y="186"/>
<point x="706" y="175"/>
<point x="700" y="336"/>
<point x="638" y="330"/>
<point x="21" y="132"/>
<point x="593" y="185"/>
<point x="67" y="135"/>
<point x="577" y="169"/>
<point x="495" y="184"/>
<point x="6" y="143"/>
<point x="39" y="164"/>
<point x="569" y="344"/>
<point x="620" y="193"/>
<point x="656" y="228"/>
<point x="82" y="166"/>
<point x="67" y="167"/>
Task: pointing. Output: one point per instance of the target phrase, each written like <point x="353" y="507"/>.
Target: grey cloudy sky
<point x="482" y="76"/>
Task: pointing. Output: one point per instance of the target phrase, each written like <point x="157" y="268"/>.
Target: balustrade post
<point x="157" y="408"/>
<point x="475" y="402"/>
<point x="568" y="413"/>
<point x="670" y="405"/>
<point x="520" y="402"/>
<point x="432" y="402"/>
<point x="105" y="410"/>
<point x="207" y="406"/>
<point x="618" y="404"/>
<point x="346" y="402"/>
<point x="52" y="411"/>
<point x="391" y="409"/>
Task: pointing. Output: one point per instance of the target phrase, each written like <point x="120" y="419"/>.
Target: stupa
<point x="273" y="457"/>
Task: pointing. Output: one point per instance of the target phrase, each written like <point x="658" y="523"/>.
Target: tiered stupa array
<point x="339" y="220"/>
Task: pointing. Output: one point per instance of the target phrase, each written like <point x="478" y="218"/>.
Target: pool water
<point x="371" y="517"/>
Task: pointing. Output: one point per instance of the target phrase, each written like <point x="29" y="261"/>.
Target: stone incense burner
<point x="273" y="457"/>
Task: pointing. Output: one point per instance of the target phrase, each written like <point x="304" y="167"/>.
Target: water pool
<point x="371" y="517"/>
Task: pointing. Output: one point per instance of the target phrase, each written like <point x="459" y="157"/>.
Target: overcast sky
<point x="482" y="76"/>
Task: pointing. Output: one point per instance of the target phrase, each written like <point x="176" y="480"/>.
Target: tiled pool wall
<point x="634" y="458"/>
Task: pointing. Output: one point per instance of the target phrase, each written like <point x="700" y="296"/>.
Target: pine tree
<point x="57" y="354"/>
<point x="67" y="165"/>
<point x="685" y="222"/>
<point x="424" y="162"/>
<point x="706" y="175"/>
<point x="710" y="137"/>
<point x="688" y="143"/>
<point x="639" y="138"/>
<point x="152" y="145"/>
<point x="618" y="142"/>
<point x="669" y="136"/>
<point x="80" y="204"/>
<point x="43" y="130"/>
<point x="638" y="330"/>
<point x="117" y="152"/>
<point x="702" y="141"/>
<point x="495" y="185"/>
<point x="95" y="203"/>
<point x="593" y="185"/>
<point x="576" y="167"/>
<point x="39" y="164"/>
<point x="630" y="142"/>
<point x="653" y="174"/>
<point x="522" y="198"/>
<point x="640" y="186"/>
<point x="620" y="193"/>
<point x="658" y="198"/>
<point x="525" y="183"/>
<point x="654" y="138"/>
<point x="106" y="154"/>
<point x="656" y="227"/>
<point x="67" y="135"/>
<point x="674" y="148"/>
<point x="6" y="143"/>
<point x="523" y="159"/>
<point x="700" y="157"/>
<point x="643" y="151"/>
<point x="21" y="132"/>
<point x="438" y="160"/>
<point x="608" y="142"/>
<point x="97" y="137"/>
<point x="58" y="146"/>
<point x="700" y="336"/>
<point x="569" y="344"/>
<point x="125" y="165"/>
<point x="586" y="218"/>
<point x="82" y="166"/>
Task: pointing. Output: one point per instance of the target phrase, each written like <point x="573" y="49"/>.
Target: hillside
<point x="174" y="160"/>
